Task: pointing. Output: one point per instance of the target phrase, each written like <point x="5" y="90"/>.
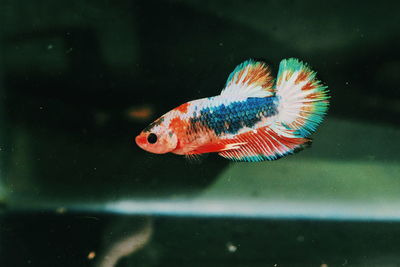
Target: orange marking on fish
<point x="211" y="147"/>
<point x="178" y="125"/>
<point x="141" y="139"/>
<point x="314" y="95"/>
<point x="183" y="108"/>
<point x="308" y="86"/>
<point x="302" y="76"/>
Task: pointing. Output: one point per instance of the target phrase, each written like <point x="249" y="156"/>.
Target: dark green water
<point x="73" y="184"/>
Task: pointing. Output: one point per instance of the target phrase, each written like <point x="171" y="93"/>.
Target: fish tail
<point x="303" y="100"/>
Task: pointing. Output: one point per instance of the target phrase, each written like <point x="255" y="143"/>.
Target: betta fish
<point x="253" y="119"/>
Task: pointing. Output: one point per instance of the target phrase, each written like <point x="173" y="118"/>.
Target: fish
<point x="254" y="118"/>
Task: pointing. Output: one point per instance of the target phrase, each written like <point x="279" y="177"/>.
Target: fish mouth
<point x="140" y="140"/>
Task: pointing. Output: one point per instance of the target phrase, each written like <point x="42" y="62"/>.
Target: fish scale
<point x="229" y="119"/>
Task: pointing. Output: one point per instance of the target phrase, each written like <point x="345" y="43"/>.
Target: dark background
<point x="70" y="72"/>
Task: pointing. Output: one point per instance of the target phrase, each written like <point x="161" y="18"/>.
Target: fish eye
<point x="152" y="138"/>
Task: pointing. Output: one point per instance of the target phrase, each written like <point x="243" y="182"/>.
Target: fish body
<point x="252" y="119"/>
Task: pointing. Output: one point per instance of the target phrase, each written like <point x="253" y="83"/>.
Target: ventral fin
<point x="195" y="158"/>
<point x="265" y="144"/>
<point x="216" y="147"/>
<point x="249" y="79"/>
<point x="208" y="148"/>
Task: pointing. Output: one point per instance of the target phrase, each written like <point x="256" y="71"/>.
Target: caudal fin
<point x="301" y="105"/>
<point x="303" y="100"/>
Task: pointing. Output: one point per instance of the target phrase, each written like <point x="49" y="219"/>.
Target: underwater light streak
<point x="258" y="209"/>
<point x="340" y="211"/>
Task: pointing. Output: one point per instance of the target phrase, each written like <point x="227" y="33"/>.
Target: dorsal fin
<point x="250" y="79"/>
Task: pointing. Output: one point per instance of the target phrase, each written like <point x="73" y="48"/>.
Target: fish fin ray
<point x="251" y="79"/>
<point x="208" y="148"/>
<point x="303" y="100"/>
<point x="195" y="158"/>
<point x="266" y="144"/>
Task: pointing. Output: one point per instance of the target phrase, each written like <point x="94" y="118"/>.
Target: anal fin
<point x="265" y="144"/>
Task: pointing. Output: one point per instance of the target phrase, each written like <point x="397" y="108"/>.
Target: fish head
<point x="157" y="138"/>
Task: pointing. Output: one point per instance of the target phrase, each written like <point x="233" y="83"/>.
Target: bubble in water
<point x="231" y="247"/>
<point x="91" y="255"/>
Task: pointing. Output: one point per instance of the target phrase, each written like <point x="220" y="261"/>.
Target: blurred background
<point x="80" y="79"/>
